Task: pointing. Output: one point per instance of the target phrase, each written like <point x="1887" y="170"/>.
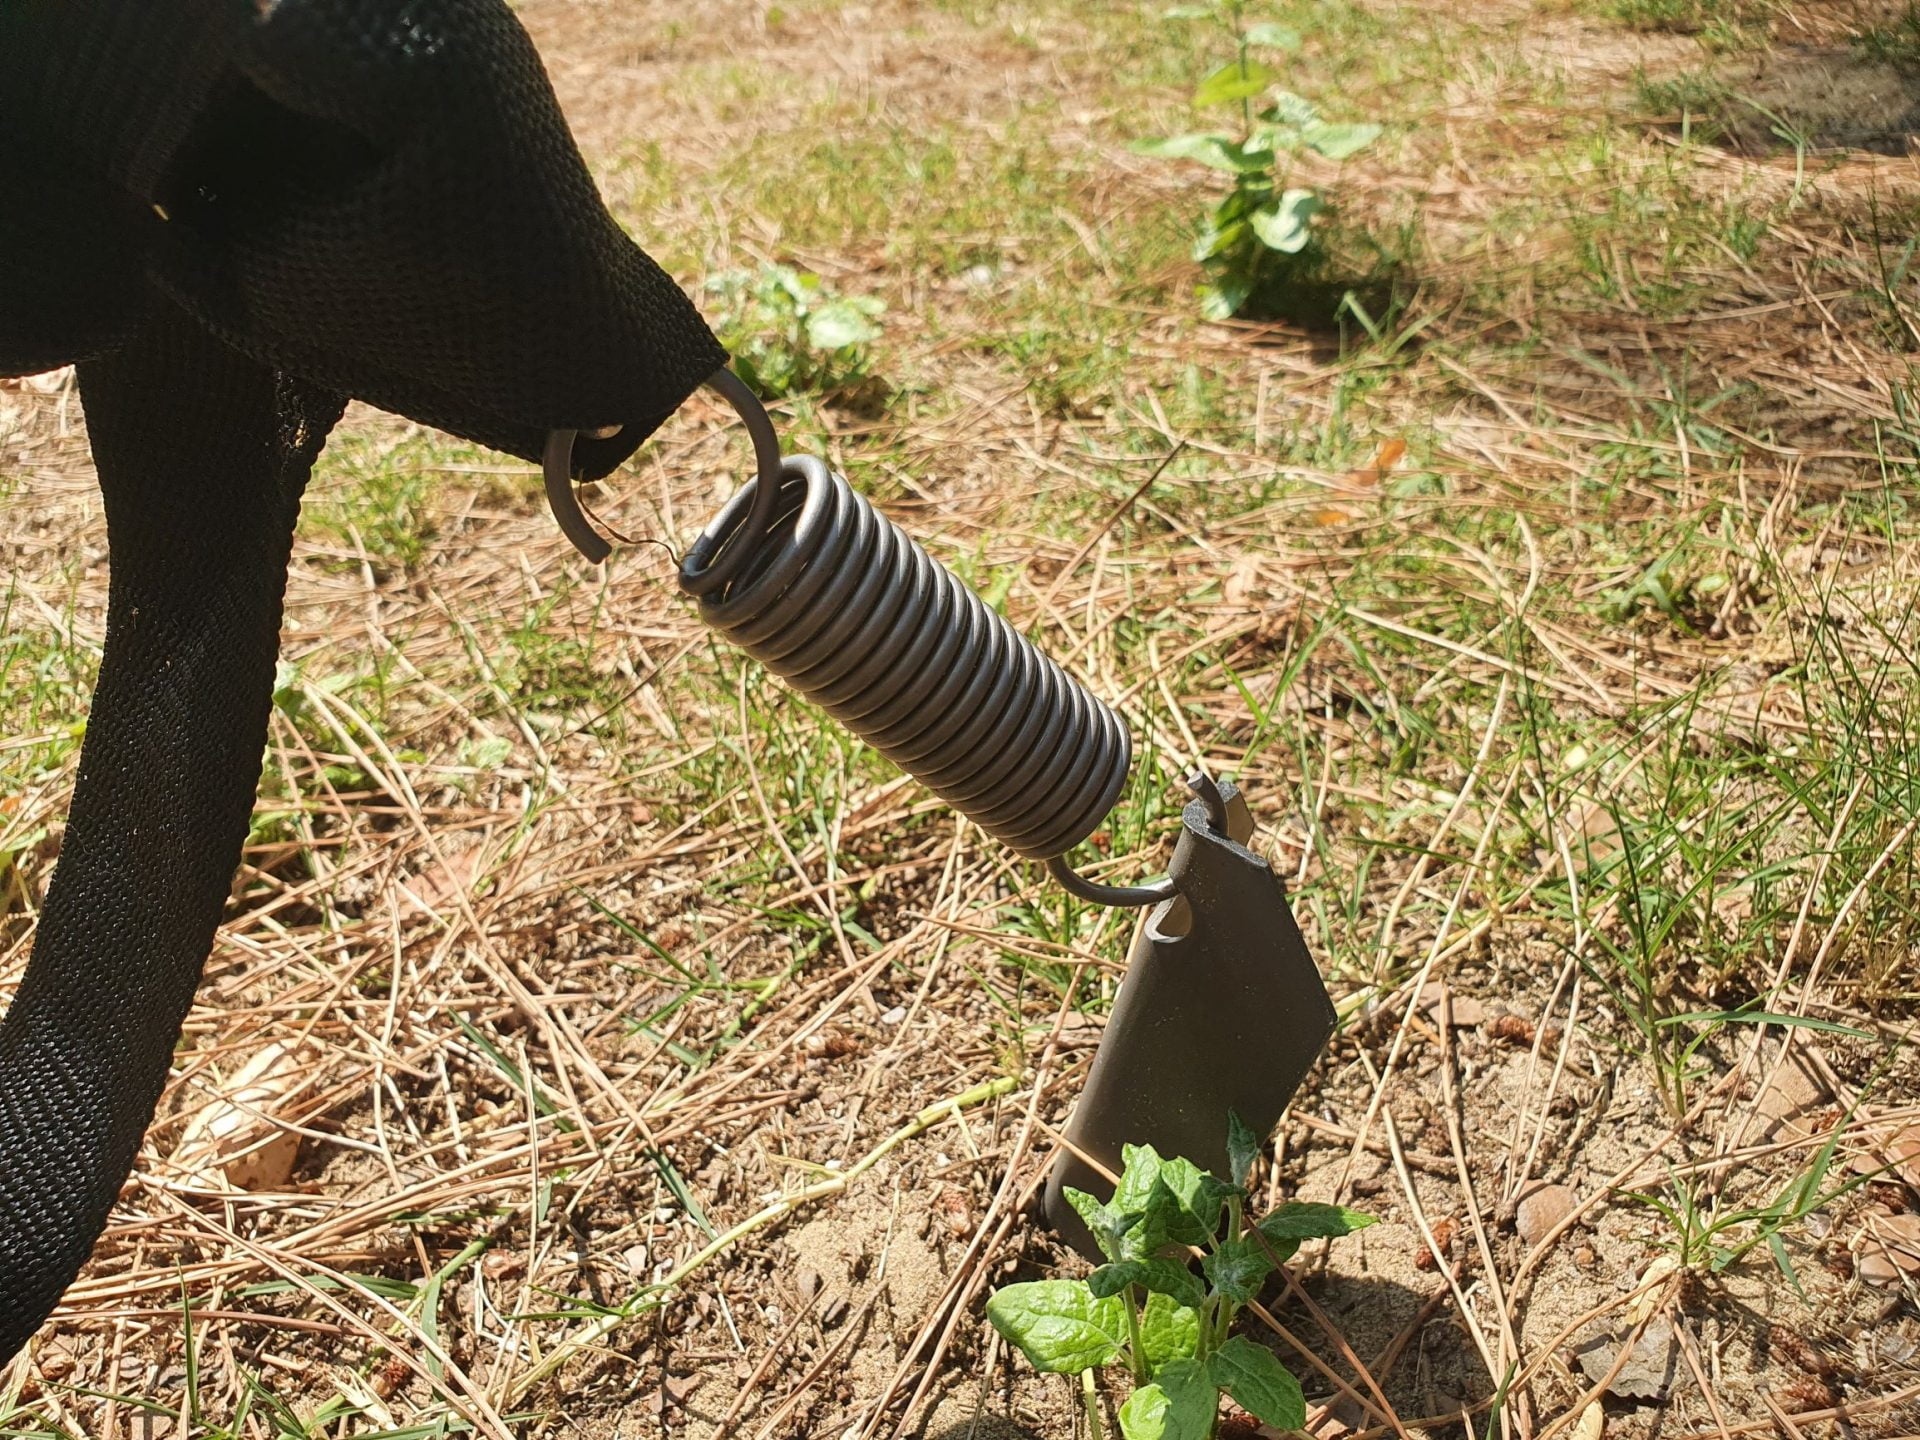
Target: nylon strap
<point x="236" y="214"/>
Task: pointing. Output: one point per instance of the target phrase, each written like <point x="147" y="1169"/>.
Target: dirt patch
<point x="1820" y="99"/>
<point x="596" y="998"/>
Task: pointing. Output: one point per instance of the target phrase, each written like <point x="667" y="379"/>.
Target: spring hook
<point x="803" y="573"/>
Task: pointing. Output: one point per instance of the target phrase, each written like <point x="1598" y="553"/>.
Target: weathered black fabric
<point x="235" y="214"/>
<point x="202" y="478"/>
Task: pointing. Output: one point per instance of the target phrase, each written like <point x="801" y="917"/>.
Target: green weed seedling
<point x="788" y="333"/>
<point x="1260" y="235"/>
<point x="1146" y="1308"/>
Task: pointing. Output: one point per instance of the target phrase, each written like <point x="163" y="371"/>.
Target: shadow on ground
<point x="988" y="1426"/>
<point x="1423" y="1361"/>
<point x="1811" y="97"/>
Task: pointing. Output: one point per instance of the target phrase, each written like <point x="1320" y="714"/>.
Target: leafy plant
<point x="1145" y="1307"/>
<point x="1261" y="233"/>
<point x="787" y="332"/>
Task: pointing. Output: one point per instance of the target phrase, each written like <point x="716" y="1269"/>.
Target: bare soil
<point x="482" y="973"/>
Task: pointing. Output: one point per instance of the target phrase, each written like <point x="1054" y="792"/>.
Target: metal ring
<point x="701" y="572"/>
<point x="557" y="469"/>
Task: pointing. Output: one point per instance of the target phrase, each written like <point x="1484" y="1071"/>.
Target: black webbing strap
<point x="235" y="214"/>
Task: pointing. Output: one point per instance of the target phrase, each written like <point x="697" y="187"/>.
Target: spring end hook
<point x="1219" y="809"/>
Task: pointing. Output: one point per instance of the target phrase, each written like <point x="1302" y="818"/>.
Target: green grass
<point x="1495" y="706"/>
<point x="1896" y="42"/>
<point x="1720" y="24"/>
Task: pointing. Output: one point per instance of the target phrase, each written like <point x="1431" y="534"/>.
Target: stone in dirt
<point x="1648" y="1372"/>
<point x="1887" y="1253"/>
<point x="1541" y="1208"/>
<point x="1788" y="1102"/>
<point x="1468" y="1013"/>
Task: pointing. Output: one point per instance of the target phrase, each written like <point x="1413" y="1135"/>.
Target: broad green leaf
<point x="1218" y="152"/>
<point x="801" y="286"/>
<point x="1278" y="37"/>
<point x="1283" y="1250"/>
<point x="1223" y="299"/>
<point x="1337" y="142"/>
<point x="1168" y="1329"/>
<point x="1309" y="1220"/>
<point x="1233" y="81"/>
<point x="1196" y="1198"/>
<point x="1287" y="108"/>
<point x="838" y="324"/>
<point x="1178" y="1405"/>
<point x="488" y="754"/>
<point x="1237" y="1269"/>
<point x="1108" y="1223"/>
<point x="1151" y="1205"/>
<point x="1285" y="224"/>
<point x="1058" y="1326"/>
<point x="1158" y="1277"/>
<point x="1262" y="1386"/>
<point x="1140" y="1168"/>
<point x="1243" y="1148"/>
<point x="1219" y="239"/>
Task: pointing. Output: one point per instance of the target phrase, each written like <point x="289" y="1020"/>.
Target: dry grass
<point x="1586" y="724"/>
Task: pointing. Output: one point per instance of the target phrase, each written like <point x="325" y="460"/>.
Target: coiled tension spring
<point x="804" y="574"/>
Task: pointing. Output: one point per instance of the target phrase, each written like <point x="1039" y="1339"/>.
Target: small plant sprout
<point x="789" y="333"/>
<point x="1260" y="236"/>
<point x="1145" y="1307"/>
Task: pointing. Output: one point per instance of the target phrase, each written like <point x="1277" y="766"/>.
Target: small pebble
<point x="1426" y="1258"/>
<point x="1876" y="1267"/>
<point x="1889" y="1250"/>
<point x="1541" y="1209"/>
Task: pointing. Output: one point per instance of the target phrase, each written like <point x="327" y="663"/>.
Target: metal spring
<point x="847" y="608"/>
<point x="801" y="572"/>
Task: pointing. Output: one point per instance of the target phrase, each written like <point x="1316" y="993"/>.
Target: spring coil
<point x="837" y="600"/>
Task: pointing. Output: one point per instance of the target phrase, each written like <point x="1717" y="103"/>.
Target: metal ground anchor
<point x="1222" y="1009"/>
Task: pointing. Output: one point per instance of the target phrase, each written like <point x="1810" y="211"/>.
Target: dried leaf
<point x="1887" y="1254"/>
<point x="1242" y="587"/>
<point x="1657" y="1281"/>
<point x="1649" y="1370"/>
<point x="1790" y="1098"/>
<point x="1514" y="1029"/>
<point x="1381" y="466"/>
<point x="441" y="887"/>
<point x="1426" y="1258"/>
<point x="1901" y="1152"/>
<point x="233" y="1142"/>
